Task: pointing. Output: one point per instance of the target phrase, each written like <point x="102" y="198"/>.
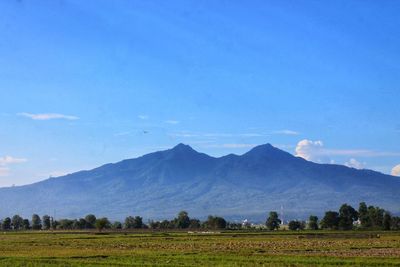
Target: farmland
<point x="282" y="248"/>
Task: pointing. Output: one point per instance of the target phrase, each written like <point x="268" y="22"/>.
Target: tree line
<point x="182" y="221"/>
<point x="347" y="218"/>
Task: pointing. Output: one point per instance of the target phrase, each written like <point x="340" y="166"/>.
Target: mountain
<point x="158" y="185"/>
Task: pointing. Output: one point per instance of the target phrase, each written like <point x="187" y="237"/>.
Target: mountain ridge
<point x="160" y="184"/>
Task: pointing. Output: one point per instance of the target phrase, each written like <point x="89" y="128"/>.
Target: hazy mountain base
<point x="160" y="184"/>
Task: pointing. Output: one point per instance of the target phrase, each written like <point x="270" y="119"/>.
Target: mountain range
<point x="160" y="184"/>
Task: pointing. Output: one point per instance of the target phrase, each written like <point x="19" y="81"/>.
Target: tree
<point x="371" y="217"/>
<point x="296" y="225"/>
<point x="138" y="222"/>
<point x="395" y="223"/>
<point x="128" y="222"/>
<point x="17" y="222"/>
<point x="273" y="221"/>
<point x="133" y="222"/>
<point x="183" y="220"/>
<point x="347" y="216"/>
<point x="313" y="223"/>
<point x="6" y="225"/>
<point x="330" y="220"/>
<point x="116" y="225"/>
<point x="375" y="215"/>
<point x="81" y="223"/>
<point x="154" y="224"/>
<point x="165" y="224"/>
<point x="90" y="221"/>
<point x="387" y="221"/>
<point x="363" y="215"/>
<point x="65" y="224"/>
<point x="102" y="223"/>
<point x="25" y="224"/>
<point x="237" y="226"/>
<point x="46" y="222"/>
<point x="194" y="224"/>
<point x="36" y="222"/>
<point x="54" y="223"/>
<point x="215" y="222"/>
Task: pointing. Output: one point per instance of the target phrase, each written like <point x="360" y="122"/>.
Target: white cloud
<point x="360" y="153"/>
<point x="47" y="116"/>
<point x="311" y="150"/>
<point x="315" y="151"/>
<point x="286" y="132"/>
<point x="4" y="171"/>
<point x="171" y="121"/>
<point x="396" y="170"/>
<point x="6" y="160"/>
<point x="143" y="117"/>
<point x="353" y="163"/>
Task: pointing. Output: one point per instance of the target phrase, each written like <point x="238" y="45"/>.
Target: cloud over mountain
<point x="311" y="150"/>
<point x="353" y="163"/>
<point x="396" y="170"/>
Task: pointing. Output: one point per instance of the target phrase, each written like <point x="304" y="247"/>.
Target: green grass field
<point x="198" y="249"/>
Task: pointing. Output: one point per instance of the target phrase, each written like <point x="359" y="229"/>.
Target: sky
<point x="84" y="83"/>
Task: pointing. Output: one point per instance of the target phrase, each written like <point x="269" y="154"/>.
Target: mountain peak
<point x="263" y="148"/>
<point x="182" y="147"/>
<point x="269" y="151"/>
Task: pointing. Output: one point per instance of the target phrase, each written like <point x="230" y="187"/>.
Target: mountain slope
<point x="160" y="184"/>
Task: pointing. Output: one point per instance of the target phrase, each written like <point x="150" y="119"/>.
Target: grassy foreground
<point x="200" y="249"/>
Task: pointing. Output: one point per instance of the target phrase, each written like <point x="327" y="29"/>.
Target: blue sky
<point x="83" y="83"/>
